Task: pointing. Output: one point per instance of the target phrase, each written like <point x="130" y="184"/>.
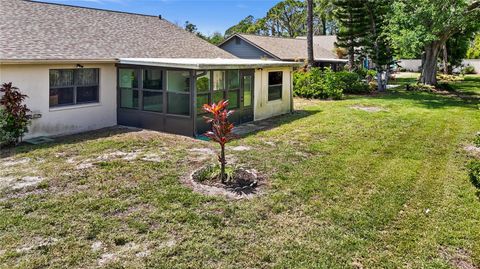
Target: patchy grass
<point x="348" y="188"/>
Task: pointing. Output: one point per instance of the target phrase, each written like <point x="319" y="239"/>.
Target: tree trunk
<point x="445" y="59"/>
<point x="223" y="162"/>
<point x="311" y="59"/>
<point x="429" y="71"/>
<point x="324" y="26"/>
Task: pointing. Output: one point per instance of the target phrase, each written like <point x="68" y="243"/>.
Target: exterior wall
<point x="414" y="64"/>
<point x="411" y="65"/>
<point x="265" y="109"/>
<point x="243" y="50"/>
<point x="33" y="80"/>
<point x="473" y="62"/>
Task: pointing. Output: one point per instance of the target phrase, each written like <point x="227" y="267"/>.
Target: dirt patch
<point x="19" y="183"/>
<point x="473" y="150"/>
<point x="245" y="184"/>
<point x="370" y="109"/>
<point x="37" y="243"/>
<point x="13" y="162"/>
<point x="241" y="148"/>
<point x="458" y="258"/>
<point x="152" y="157"/>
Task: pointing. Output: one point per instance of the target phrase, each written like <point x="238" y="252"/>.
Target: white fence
<point x="413" y="65"/>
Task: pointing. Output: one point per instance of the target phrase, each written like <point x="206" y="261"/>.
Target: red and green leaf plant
<point x="221" y="130"/>
<point x="15" y="113"/>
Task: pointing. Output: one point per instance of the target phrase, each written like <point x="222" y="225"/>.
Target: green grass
<point x="348" y="188"/>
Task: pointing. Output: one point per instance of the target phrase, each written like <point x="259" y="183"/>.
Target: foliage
<point x="353" y="26"/>
<point x="15" y="114"/>
<point x="449" y="78"/>
<point x="318" y="84"/>
<point x="468" y="70"/>
<point x="288" y="19"/>
<point x="222" y="129"/>
<point x="420" y="88"/>
<point x="213" y="172"/>
<point x="6" y="136"/>
<point x="427" y="28"/>
<point x="476" y="140"/>
<point x="474" y="172"/>
<point x="457" y="47"/>
<point x="473" y="51"/>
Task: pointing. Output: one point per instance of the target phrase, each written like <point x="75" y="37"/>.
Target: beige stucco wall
<point x="264" y="108"/>
<point x="33" y="80"/>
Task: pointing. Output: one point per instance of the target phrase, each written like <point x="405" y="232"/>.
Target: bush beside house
<point x="326" y="84"/>
<point x="14" y="118"/>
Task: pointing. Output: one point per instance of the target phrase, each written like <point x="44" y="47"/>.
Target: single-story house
<point x="248" y="46"/>
<point x="85" y="69"/>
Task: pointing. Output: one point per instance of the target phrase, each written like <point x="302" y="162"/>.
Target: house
<point x="247" y="46"/>
<point x="85" y="69"/>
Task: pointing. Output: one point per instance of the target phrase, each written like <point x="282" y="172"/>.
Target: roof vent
<point x="160" y="17"/>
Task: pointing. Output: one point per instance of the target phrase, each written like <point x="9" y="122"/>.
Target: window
<point x="128" y="83"/>
<point x="203" y="86"/>
<point x="73" y="86"/>
<point x="275" y="85"/>
<point x="178" y="92"/>
<point x="218" y="80"/>
<point x="247" y="91"/>
<point x="152" y="79"/>
<point x="233" y="79"/>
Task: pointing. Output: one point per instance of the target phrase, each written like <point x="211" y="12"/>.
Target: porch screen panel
<point x="178" y="93"/>
<point x="128" y="83"/>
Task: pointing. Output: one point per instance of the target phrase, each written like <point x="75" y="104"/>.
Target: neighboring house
<point x="283" y="49"/>
<point x="85" y="69"/>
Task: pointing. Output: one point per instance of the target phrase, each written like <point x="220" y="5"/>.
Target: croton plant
<point x="221" y="129"/>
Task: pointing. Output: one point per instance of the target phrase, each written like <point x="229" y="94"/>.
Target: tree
<point x="455" y="50"/>
<point x="376" y="45"/>
<point x="216" y="38"/>
<point x="474" y="49"/>
<point x="287" y="18"/>
<point x="428" y="26"/>
<point x="245" y="26"/>
<point x="190" y="27"/>
<point x="323" y="14"/>
<point x="351" y="16"/>
<point x="311" y="59"/>
<point x="222" y="129"/>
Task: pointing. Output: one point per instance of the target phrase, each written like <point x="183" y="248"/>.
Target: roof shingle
<point x="288" y="48"/>
<point x="41" y="31"/>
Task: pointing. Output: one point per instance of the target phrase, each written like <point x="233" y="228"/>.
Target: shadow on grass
<point x="457" y="98"/>
<point x="271" y="123"/>
<point x="68" y="140"/>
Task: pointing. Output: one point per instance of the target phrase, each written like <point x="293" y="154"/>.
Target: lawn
<point x="366" y="182"/>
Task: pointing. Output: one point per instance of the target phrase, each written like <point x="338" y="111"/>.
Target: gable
<point x="243" y="49"/>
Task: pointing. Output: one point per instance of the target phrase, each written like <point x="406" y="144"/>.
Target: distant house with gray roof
<point x="86" y="68"/>
<point x="284" y="49"/>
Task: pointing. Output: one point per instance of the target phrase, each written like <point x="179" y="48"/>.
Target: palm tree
<point x="310" y="33"/>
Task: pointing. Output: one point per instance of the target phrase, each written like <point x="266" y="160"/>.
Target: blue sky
<point x="208" y="15"/>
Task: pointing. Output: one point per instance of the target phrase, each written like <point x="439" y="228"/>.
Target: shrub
<point x="420" y="88"/>
<point x="449" y="78"/>
<point x="222" y="130"/>
<point x="14" y="118"/>
<point x="476" y="140"/>
<point x="317" y="84"/>
<point x="468" y="70"/>
<point x="372" y="86"/>
<point x="352" y="83"/>
<point x="474" y="172"/>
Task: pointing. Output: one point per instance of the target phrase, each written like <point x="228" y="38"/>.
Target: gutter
<point x="56" y="61"/>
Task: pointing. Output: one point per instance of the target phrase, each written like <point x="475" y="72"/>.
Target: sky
<point x="208" y="15"/>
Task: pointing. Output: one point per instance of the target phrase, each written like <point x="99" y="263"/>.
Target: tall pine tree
<point x="376" y="44"/>
<point x="353" y="26"/>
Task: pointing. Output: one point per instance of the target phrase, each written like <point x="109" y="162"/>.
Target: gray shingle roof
<point x="38" y="31"/>
<point x="287" y="48"/>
